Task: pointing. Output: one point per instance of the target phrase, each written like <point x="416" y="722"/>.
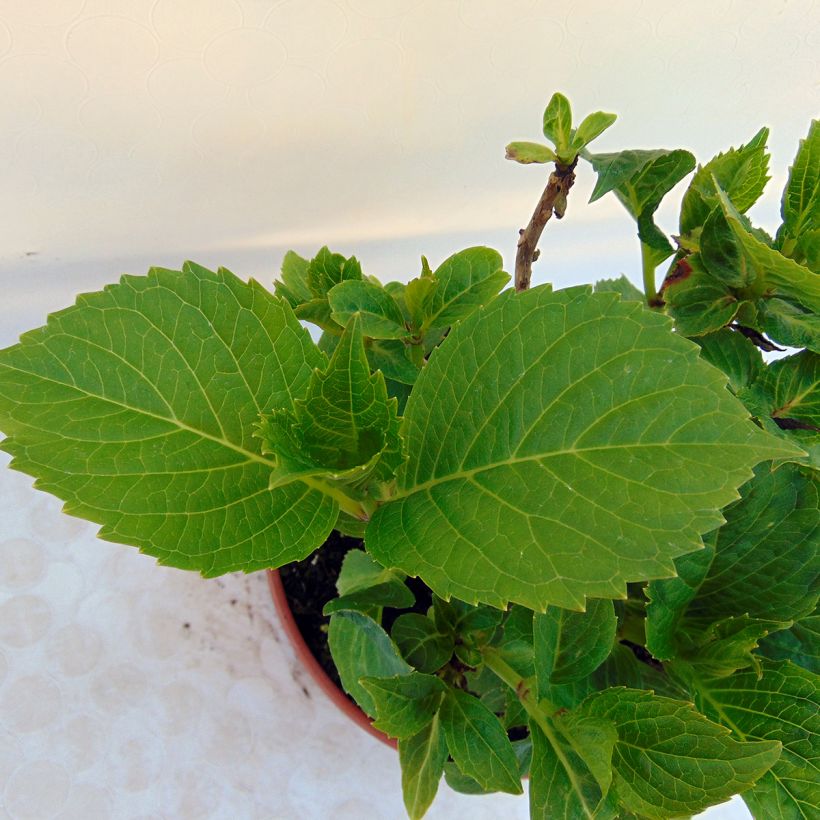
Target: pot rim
<point x="320" y="677"/>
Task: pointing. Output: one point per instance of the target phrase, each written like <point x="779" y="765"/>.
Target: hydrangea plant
<point x="609" y="495"/>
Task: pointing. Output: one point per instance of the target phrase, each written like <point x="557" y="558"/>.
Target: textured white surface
<point x="147" y="131"/>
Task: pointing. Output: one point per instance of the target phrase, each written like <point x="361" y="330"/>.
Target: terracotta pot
<point x="310" y="663"/>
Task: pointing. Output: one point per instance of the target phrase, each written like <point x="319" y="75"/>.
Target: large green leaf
<point x="741" y="172"/>
<point x="362" y="649"/>
<point x="800" y="207"/>
<point x="781" y="706"/>
<point x="466" y="280"/>
<point x="136" y="407"/>
<point x="571" y="645"/>
<point x="422" y="759"/>
<point x="478" y="743"/>
<point x="560" y="445"/>
<point x="669" y="759"/>
<point x="405" y="704"/>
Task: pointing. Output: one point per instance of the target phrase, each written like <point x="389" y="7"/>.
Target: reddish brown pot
<point x="310" y="663"/>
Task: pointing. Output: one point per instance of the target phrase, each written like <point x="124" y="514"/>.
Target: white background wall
<point x="149" y="131"/>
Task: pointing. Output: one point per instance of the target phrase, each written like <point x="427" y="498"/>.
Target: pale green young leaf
<point x="466" y="280"/>
<point x="317" y="312"/>
<point x="136" y="408"/>
<point x="380" y="314"/>
<point x="741" y="172"/>
<point x="478" y="743"/>
<point x="362" y="649"/>
<point x="421" y="643"/>
<point x="800" y="206"/>
<point x="405" y="704"/>
<point x="514" y="438"/>
<point x="781" y="706"/>
<point x="738" y="357"/>
<point x="807" y="250"/>
<point x="529" y="152"/>
<point x="293" y="285"/>
<point x="344" y="428"/>
<point x="418" y="296"/>
<point x="422" y="759"/>
<point x="591" y="127"/>
<point x="669" y="759"/>
<point x="558" y="122"/>
<point x="571" y="645"/>
<point x="327" y="269"/>
<point x="622" y="285"/>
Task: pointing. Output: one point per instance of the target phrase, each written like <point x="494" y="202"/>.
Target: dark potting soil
<point x="311" y="583"/>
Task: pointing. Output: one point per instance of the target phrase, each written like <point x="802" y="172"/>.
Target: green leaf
<point x="800" y="644"/>
<point x="800" y="207"/>
<point x="734" y="354"/>
<point x="669" y="759"/>
<point x="327" y="269"/>
<point x="789" y="388"/>
<point x="528" y="152"/>
<point x="422" y="759"/>
<point x="591" y="127"/>
<point x="381" y="316"/>
<point x="390" y="356"/>
<point x="362" y="649"/>
<point x="466" y="785"/>
<point x="405" y="704"/>
<point x="571" y="645"/>
<point x="622" y="668"/>
<point x="640" y="180"/>
<point x="466" y="280"/>
<point x="622" y="285"/>
<point x="698" y="303"/>
<point x="344" y="428"/>
<point x="529" y="476"/>
<point x="781" y="706"/>
<point x="558" y="122"/>
<point x="778" y="553"/>
<point x="478" y="743"/>
<point x="562" y="787"/>
<point x="807" y="250"/>
<point x="136" y="408"/>
<point x="789" y="322"/>
<point x="420" y="642"/>
<point x="782" y="276"/>
<point x="317" y="312"/>
<point x="418" y="297"/>
<point x="720" y="253"/>
<point x="364" y="584"/>
<point x="669" y="599"/>
<point x="741" y="172"/>
<point x="293" y="285"/>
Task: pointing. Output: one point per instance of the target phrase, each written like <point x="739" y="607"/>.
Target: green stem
<point x="417" y="354"/>
<point x="648" y="269"/>
<point x="345" y="502"/>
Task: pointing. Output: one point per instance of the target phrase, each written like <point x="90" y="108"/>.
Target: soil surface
<point x="311" y="583"/>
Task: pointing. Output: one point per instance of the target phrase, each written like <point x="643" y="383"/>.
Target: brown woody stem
<point x="560" y="181"/>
